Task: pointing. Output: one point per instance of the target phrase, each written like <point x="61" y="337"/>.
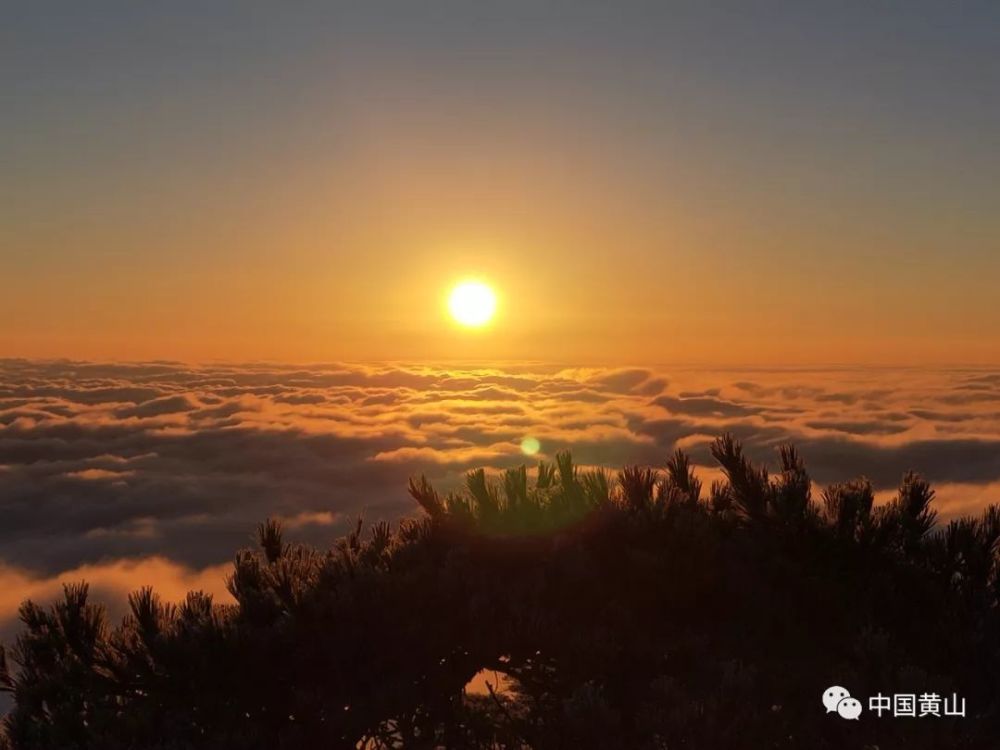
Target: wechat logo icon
<point x="838" y="700"/>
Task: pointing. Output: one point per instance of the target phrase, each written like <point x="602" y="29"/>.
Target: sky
<point x="228" y="233"/>
<point x="646" y="183"/>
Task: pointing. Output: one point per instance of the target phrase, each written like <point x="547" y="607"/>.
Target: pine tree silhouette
<point x="626" y="612"/>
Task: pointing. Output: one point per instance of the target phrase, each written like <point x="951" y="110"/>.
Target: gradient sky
<point x="772" y="183"/>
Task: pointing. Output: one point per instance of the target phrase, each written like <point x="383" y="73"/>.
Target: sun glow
<point x="472" y="304"/>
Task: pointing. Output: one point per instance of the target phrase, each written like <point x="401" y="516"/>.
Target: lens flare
<point x="530" y="446"/>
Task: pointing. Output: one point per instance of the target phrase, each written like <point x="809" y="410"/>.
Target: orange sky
<point x="295" y="191"/>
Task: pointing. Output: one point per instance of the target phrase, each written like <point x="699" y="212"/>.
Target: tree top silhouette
<point x="624" y="611"/>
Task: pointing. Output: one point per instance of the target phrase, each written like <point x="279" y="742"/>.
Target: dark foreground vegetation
<point x="626" y="612"/>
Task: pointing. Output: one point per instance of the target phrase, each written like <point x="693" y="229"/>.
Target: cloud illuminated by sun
<point x="472" y="303"/>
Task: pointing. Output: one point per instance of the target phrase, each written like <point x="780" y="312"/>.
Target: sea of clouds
<point x="127" y="474"/>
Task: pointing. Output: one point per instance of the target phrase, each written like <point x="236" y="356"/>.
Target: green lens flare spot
<point x="530" y="446"/>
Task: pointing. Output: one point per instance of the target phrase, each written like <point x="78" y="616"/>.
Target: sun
<point x="472" y="303"/>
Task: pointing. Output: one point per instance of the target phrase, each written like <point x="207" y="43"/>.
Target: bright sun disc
<point x="472" y="303"/>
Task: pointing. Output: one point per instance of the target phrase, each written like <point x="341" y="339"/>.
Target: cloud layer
<point x="133" y="468"/>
